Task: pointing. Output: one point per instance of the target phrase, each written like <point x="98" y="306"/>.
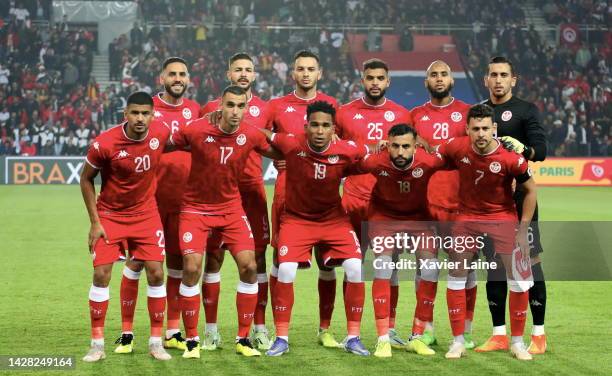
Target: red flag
<point x="597" y="171"/>
<point x="569" y="35"/>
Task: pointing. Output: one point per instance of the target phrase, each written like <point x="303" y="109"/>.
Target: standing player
<point x="367" y="120"/>
<point x="397" y="204"/>
<point x="211" y="202"/>
<point x="487" y="173"/>
<point x="125" y="214"/>
<point x="437" y="121"/>
<point x="241" y="72"/>
<point x="171" y="108"/>
<point x="288" y="115"/>
<point x="518" y="125"/>
<point x="313" y="216"/>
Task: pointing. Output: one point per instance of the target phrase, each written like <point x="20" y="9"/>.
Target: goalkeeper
<point x="519" y="128"/>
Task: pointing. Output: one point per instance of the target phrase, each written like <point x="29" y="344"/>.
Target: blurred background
<point x="66" y="67"/>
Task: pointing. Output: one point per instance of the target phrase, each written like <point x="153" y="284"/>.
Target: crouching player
<point x="398" y="204"/>
<point x="486" y="208"/>
<point x="125" y="215"/>
<point x="314" y="216"/>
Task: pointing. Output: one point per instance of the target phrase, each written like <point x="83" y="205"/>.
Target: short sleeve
<point x="260" y="141"/>
<point x="96" y="155"/>
<point x="518" y="165"/>
<point x="180" y="138"/>
<point x="285" y="142"/>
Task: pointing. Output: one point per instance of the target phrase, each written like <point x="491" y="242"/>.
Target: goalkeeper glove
<point x="512" y="144"/>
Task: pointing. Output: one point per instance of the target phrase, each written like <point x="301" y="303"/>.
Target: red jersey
<point x="174" y="168"/>
<point x="364" y="123"/>
<point x="256" y="116"/>
<point x="314" y="178"/>
<point x="437" y="124"/>
<point x="485" y="186"/>
<point x="218" y="159"/>
<point x="128" y="168"/>
<point x="401" y="193"/>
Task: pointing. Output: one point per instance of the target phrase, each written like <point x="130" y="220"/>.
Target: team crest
<point x="283" y="250"/>
<point x="254" y="111"/>
<point x="389" y="116"/>
<point x="456" y="116"/>
<point x="598" y="171"/>
<point x="187" y="237"/>
<point x="506" y="115"/>
<point x="417" y="172"/>
<point x="154" y="143"/>
<point x="241" y="139"/>
<point x="187" y="113"/>
<point x="495" y="167"/>
<point x="333" y="159"/>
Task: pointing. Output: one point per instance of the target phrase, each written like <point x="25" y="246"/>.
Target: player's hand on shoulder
<point x="213" y="117"/>
<point x="420" y="142"/>
<point x="335" y="138"/>
<point x="512" y="144"/>
<point x="96" y="231"/>
<point x="380" y="146"/>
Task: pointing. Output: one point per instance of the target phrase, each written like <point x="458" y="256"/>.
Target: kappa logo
<point x="157" y="114"/>
<point x="241" y="139"/>
<point x="389" y="116"/>
<point x="154" y="143"/>
<point x="425" y="118"/>
<point x="187" y="237"/>
<point x="254" y="111"/>
<point x="383" y="173"/>
<point x="506" y="115"/>
<point x="96" y="145"/>
<point x="123" y="154"/>
<point x="187" y="113"/>
<point x="456" y="116"/>
<point x="209" y="139"/>
<point x="301" y="154"/>
<point x="495" y="167"/>
<point x="358" y="117"/>
<point x="283" y="250"/>
<point x="521" y="160"/>
<point x="417" y="172"/>
<point x="466" y="160"/>
<point x="333" y="159"/>
<point x="352" y="143"/>
<point x="290" y="109"/>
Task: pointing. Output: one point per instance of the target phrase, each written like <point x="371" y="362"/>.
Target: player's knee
<point x="260" y="259"/>
<point x="327" y="275"/>
<point x="287" y="272"/>
<point x="497" y="274"/>
<point x="191" y="270"/>
<point x="352" y="270"/>
<point x="247" y="269"/>
<point x="101" y="277"/>
<point x="155" y="276"/>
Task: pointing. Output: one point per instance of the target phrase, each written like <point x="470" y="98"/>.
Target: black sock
<point x="537" y="295"/>
<point x="497" y="291"/>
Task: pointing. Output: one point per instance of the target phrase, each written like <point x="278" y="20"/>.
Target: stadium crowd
<point x="49" y="104"/>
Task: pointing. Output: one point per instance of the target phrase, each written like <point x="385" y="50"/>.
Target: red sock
<point x="353" y="306"/>
<point x="272" y="285"/>
<point x="246" y="301"/>
<point x="211" y="287"/>
<point x="518" y="312"/>
<point x="128" y="294"/>
<point x="381" y="293"/>
<point x="262" y="302"/>
<point x="393" y="305"/>
<point x="327" y="297"/>
<point x="470" y="302"/>
<point x="97" y="313"/>
<point x="423" y="312"/>
<point x="174" y="309"/>
<point x="455" y="300"/>
<point x="282" y="308"/>
<point x="156" y="302"/>
<point x="190" y="309"/>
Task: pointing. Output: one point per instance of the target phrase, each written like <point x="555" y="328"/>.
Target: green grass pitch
<point x="46" y="274"/>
